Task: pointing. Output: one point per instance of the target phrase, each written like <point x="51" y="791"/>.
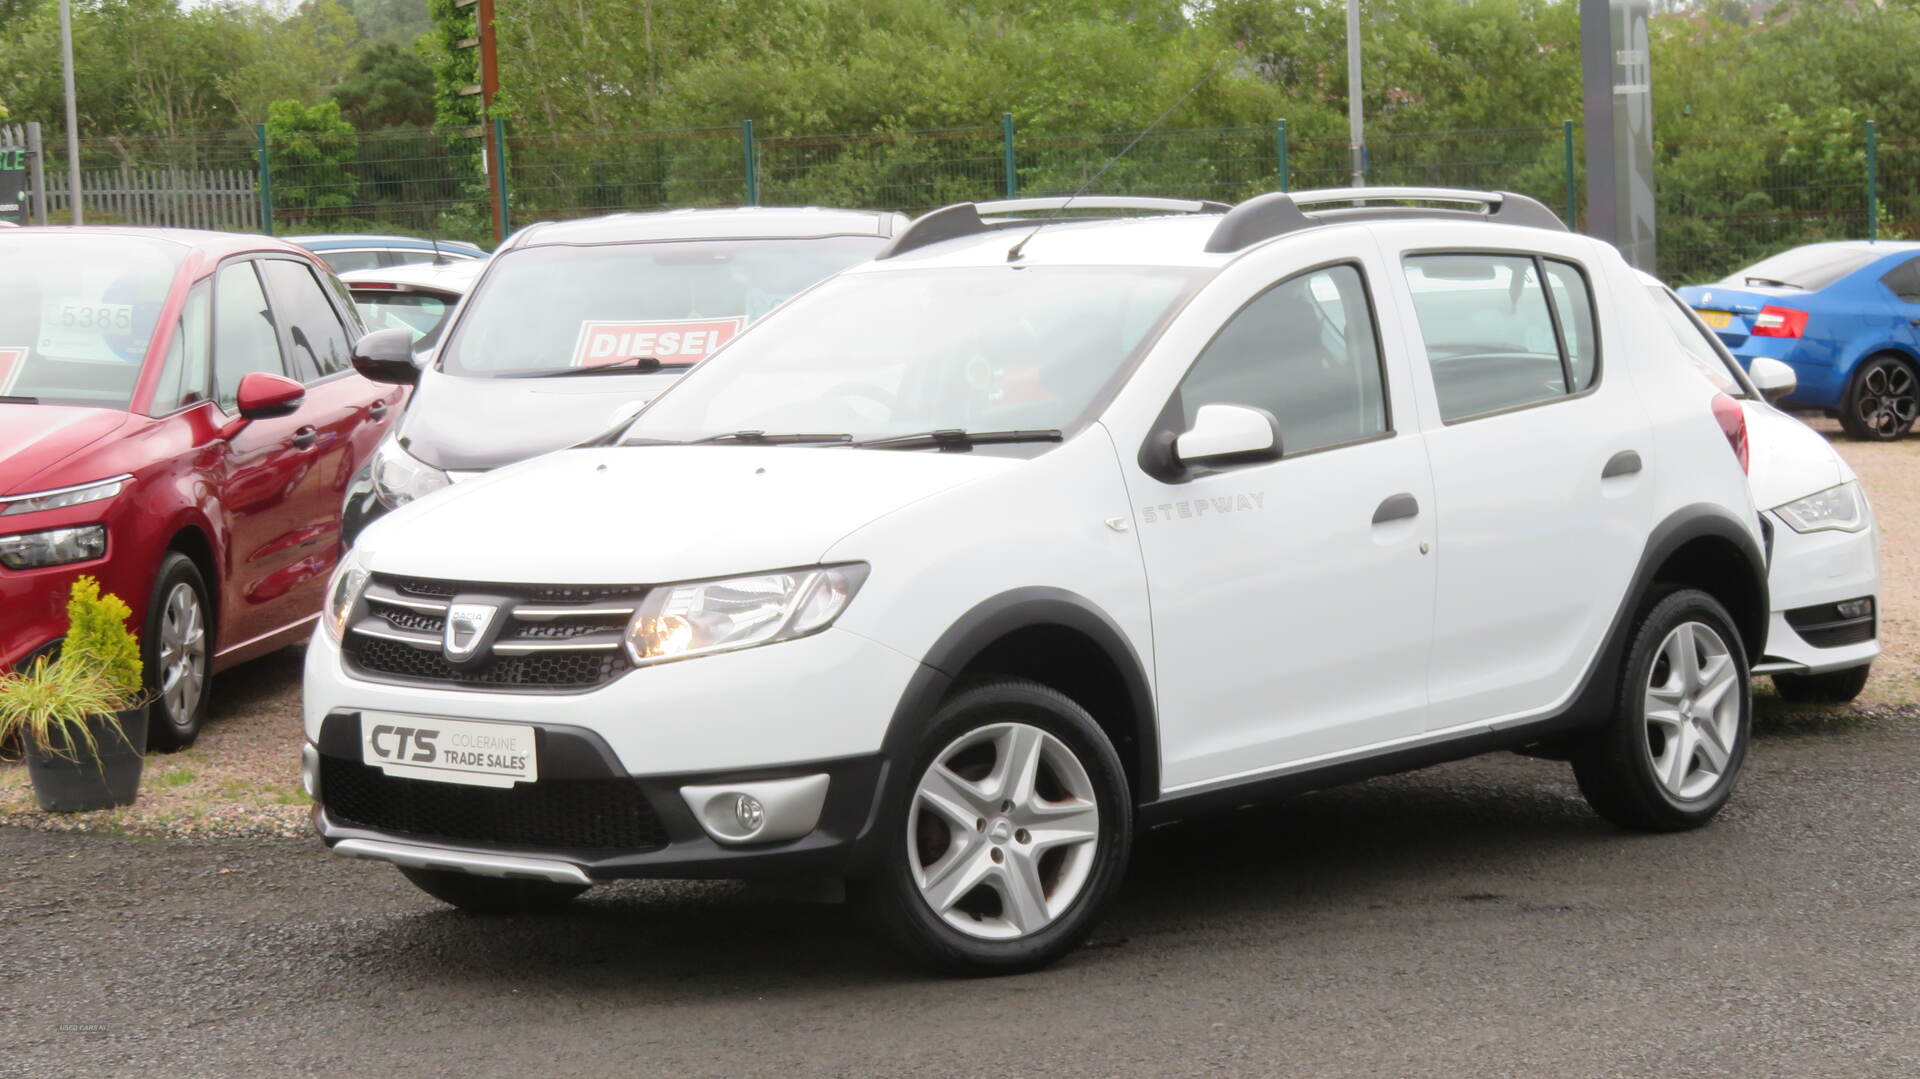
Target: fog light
<point x="758" y="810"/>
<point x="1855" y="608"/>
<point x="750" y="813"/>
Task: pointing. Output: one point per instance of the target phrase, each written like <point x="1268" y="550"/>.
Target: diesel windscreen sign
<point x="13" y="186"/>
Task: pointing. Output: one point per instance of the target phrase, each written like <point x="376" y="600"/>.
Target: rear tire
<point x="1683" y="713"/>
<point x="492" y="895"/>
<point x="177" y="653"/>
<point x="1881" y="401"/>
<point x="1833" y="687"/>
<point x="1007" y="837"/>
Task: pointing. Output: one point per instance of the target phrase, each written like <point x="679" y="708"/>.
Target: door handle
<point x="1624" y="463"/>
<point x="1396" y="508"/>
<point x="305" y="437"/>
<point x="378" y="410"/>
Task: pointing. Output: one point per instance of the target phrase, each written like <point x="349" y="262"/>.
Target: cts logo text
<point x="423" y="751"/>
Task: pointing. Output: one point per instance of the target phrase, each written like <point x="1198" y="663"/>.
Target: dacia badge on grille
<point x="466" y="628"/>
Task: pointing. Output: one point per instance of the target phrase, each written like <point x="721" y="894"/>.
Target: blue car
<point x="354" y="251"/>
<point x="1845" y="316"/>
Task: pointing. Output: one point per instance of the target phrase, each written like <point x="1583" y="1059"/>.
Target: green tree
<point x="310" y="148"/>
<point x="388" y="86"/>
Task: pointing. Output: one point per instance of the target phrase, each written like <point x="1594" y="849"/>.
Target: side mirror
<point x="262" y="396"/>
<point x="387" y="356"/>
<point x="1772" y="378"/>
<point x="1228" y="433"/>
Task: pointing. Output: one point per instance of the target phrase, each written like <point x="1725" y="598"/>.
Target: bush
<point x="98" y="641"/>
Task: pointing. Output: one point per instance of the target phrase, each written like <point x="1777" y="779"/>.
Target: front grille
<point x="570" y="814"/>
<point x="541" y="670"/>
<point x="552" y="637"/>
<point x="1823" y="626"/>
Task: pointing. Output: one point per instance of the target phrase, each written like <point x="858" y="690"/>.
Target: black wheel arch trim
<point x="993" y="619"/>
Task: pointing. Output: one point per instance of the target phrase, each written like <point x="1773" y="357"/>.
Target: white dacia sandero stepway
<point x="966" y="564"/>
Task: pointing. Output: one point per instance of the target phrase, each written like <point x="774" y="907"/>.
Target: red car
<point x="179" y="417"/>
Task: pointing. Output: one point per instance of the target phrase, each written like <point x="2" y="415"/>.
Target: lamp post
<point x="73" y="112"/>
<point x="1356" y="140"/>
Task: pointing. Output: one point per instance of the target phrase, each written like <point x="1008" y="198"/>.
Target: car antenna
<point x="1013" y="253"/>
<point x="438" y="258"/>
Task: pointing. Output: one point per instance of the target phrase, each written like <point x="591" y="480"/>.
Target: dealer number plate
<point x="1717" y="320"/>
<point x="448" y="750"/>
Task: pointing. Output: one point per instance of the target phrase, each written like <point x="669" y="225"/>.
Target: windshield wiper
<point x="953" y="438"/>
<point x="19" y="400"/>
<point x="632" y="365"/>
<point x="761" y="438"/>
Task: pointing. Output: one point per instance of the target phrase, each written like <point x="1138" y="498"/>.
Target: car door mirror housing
<point x="1227" y="434"/>
<point x="387" y="356"/>
<point x="1772" y="378"/>
<point x="262" y="396"/>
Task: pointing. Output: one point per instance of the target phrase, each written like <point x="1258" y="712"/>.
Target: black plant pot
<point x="112" y="778"/>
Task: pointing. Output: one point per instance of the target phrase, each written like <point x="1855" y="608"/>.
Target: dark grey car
<point x="574" y="325"/>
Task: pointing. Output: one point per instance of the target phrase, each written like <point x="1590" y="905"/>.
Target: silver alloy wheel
<point x="1889" y="398"/>
<point x="1003" y="831"/>
<point x="1692" y="710"/>
<point x="183" y="654"/>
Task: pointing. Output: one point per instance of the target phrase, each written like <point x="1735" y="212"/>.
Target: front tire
<point x="1833" y="687"/>
<point x="176" y="653"/>
<point x="1009" y="835"/>
<point x="1683" y="714"/>
<point x="1881" y="401"/>
<point x="492" y="895"/>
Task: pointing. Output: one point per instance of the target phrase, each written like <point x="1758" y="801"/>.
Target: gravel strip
<point x="242" y="778"/>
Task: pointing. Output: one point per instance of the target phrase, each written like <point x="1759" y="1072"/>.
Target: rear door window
<point x="316" y="340"/>
<point x="1904" y="281"/>
<point x="1503" y="331"/>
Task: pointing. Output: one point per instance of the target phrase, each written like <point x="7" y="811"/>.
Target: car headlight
<point x="342" y="593"/>
<point x="98" y="491"/>
<point x="1836" y="509"/>
<point x="37" y="550"/>
<point x="678" y="621"/>
<point x="399" y="477"/>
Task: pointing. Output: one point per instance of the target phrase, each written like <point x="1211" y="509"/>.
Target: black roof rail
<point x="963" y="218"/>
<point x="1276" y="213"/>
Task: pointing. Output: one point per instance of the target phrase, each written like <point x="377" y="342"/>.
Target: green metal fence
<point x="1724" y="200"/>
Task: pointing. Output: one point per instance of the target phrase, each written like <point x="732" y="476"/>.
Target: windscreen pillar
<point x="1617" y="79"/>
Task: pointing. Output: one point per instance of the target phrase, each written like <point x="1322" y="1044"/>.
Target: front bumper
<point x="1811" y="572"/>
<point x="613" y="762"/>
<point x="583" y="820"/>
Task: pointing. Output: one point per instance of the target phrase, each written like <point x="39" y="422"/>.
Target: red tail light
<point x="1779" y="322"/>
<point x="1733" y="423"/>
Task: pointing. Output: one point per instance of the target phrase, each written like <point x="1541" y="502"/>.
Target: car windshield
<point x="548" y="309"/>
<point x="78" y="312"/>
<point x="969" y="348"/>
<point x="1808" y="268"/>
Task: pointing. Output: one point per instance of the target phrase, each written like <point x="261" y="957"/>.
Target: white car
<point x="418" y="297"/>
<point x="969" y="561"/>
<point x="1824" y="558"/>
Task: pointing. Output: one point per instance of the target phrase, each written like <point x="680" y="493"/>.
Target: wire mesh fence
<point x="1724" y="200"/>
